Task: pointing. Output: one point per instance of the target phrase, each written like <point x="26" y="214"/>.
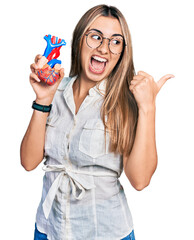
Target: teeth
<point x="99" y="59"/>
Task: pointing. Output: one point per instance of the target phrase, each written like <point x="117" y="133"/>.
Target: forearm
<point x="141" y="164"/>
<point x="32" y="146"/>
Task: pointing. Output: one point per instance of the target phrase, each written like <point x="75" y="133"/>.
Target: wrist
<point x="44" y="101"/>
<point x="41" y="108"/>
<point x="147" y="109"/>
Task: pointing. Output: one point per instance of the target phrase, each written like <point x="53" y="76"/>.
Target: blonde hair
<point x="119" y="110"/>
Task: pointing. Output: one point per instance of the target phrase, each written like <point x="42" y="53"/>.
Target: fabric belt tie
<point x="78" y="181"/>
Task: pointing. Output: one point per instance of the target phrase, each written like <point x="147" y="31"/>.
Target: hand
<point x="145" y="89"/>
<point x="44" y="92"/>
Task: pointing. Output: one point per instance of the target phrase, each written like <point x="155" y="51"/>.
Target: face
<point x="98" y="63"/>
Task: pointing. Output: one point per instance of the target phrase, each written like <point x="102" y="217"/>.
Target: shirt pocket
<point x="51" y="131"/>
<point x="92" y="139"/>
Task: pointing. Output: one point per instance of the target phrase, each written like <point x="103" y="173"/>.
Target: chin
<point x="96" y="77"/>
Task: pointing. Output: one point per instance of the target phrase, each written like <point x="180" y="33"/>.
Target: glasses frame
<point x="109" y="39"/>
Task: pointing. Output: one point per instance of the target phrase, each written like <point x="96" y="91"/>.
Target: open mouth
<point x="97" y="64"/>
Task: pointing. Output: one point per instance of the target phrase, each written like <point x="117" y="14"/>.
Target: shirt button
<point x="67" y="136"/>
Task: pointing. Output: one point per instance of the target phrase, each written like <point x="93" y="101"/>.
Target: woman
<point x="101" y="122"/>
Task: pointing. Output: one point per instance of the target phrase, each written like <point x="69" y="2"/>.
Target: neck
<point x="82" y="86"/>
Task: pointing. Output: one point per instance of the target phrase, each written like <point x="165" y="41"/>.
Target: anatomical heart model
<point x="49" y="72"/>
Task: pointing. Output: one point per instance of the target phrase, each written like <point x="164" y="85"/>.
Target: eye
<point x="116" y="41"/>
<point x="96" y="37"/>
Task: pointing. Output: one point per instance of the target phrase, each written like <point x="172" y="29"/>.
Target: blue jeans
<point x="41" y="236"/>
<point x="38" y="235"/>
<point x="131" y="236"/>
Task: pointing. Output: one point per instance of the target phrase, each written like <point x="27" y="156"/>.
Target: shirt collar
<point x="66" y="83"/>
<point x="66" y="86"/>
<point x="98" y="89"/>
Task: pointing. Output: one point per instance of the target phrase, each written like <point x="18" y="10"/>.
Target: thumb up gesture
<point x="145" y="89"/>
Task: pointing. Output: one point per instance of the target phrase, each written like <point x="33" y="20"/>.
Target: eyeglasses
<point x="95" y="40"/>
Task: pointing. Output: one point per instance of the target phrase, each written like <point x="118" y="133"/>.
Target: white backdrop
<point x="162" y="38"/>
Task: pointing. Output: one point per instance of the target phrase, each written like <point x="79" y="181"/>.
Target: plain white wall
<point x="162" y="38"/>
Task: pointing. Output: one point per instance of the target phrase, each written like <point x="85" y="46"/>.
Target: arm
<point x="140" y="165"/>
<point x="32" y="146"/>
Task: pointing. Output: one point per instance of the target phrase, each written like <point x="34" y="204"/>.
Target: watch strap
<point x="42" y="108"/>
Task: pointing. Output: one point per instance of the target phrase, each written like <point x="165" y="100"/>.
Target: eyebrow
<point x="114" y="35"/>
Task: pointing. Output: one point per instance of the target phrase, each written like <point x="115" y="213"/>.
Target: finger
<point x="138" y="77"/>
<point x="134" y="82"/>
<point x="142" y="73"/>
<point x="62" y="72"/>
<point x="132" y="87"/>
<point x="33" y="67"/>
<point x="34" y="77"/>
<point x="61" y="76"/>
<point x="162" y="80"/>
<point x="138" y="81"/>
<point x="41" y="62"/>
<point x="57" y="67"/>
<point x="37" y="58"/>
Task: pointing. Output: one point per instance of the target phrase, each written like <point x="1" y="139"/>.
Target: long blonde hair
<point x="119" y="110"/>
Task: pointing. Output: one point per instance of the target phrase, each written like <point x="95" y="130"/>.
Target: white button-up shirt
<point x="82" y="198"/>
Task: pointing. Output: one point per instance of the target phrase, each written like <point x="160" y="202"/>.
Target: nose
<point x="104" y="47"/>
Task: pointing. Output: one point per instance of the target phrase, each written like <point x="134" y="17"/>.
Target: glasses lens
<point x="94" y="39"/>
<point x="116" y="45"/>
